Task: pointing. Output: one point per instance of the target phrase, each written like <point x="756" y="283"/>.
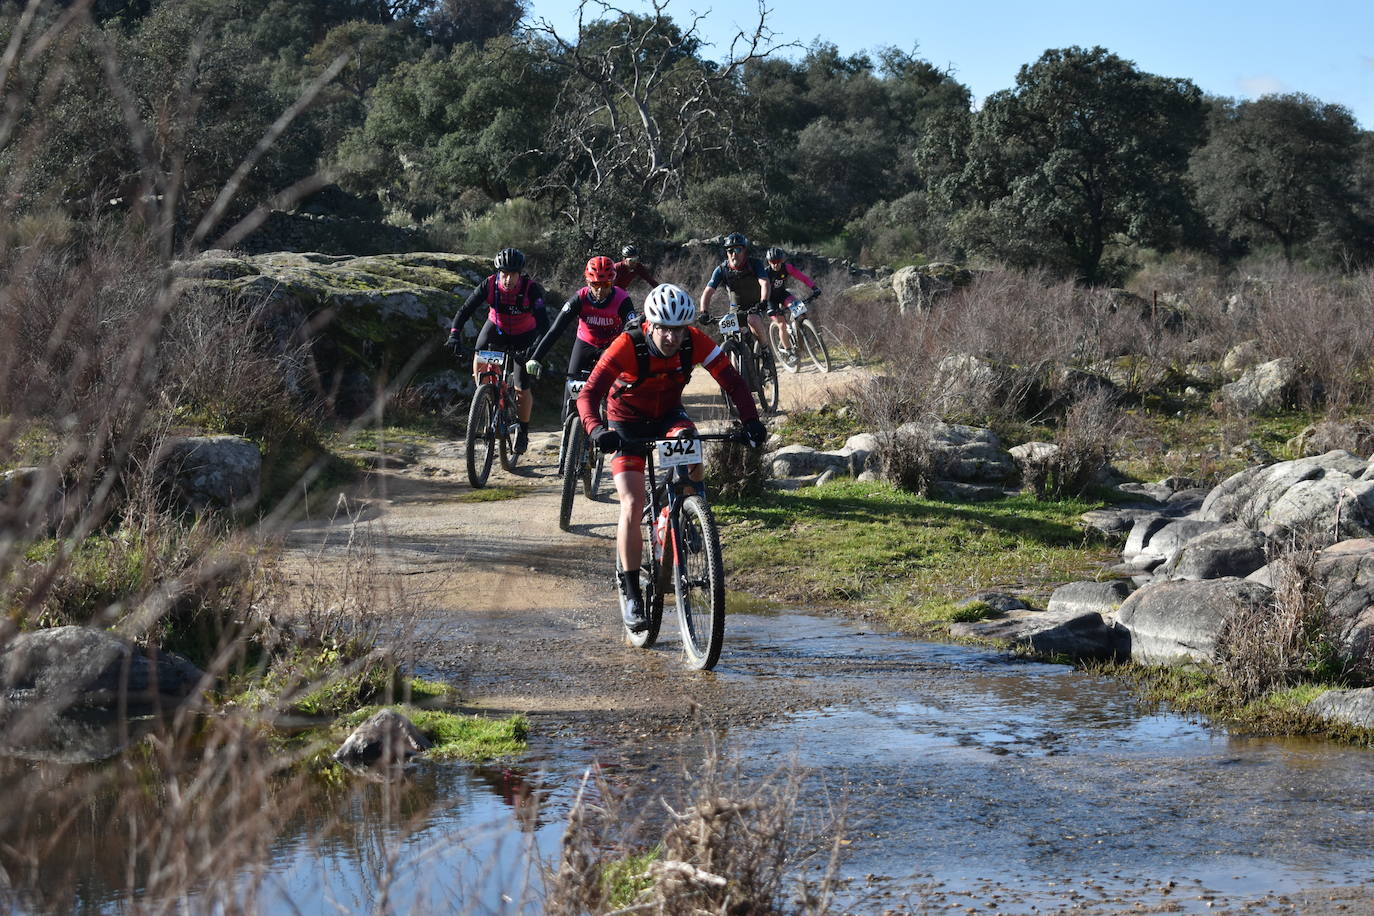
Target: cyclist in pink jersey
<point x="516" y="318"/>
<point x="601" y="309"/>
<point x="779" y="272"/>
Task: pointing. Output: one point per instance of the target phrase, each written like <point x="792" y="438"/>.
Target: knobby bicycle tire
<point x="699" y="583"/>
<point x="481" y="435"/>
<point x="511" y="425"/>
<point x="574" y="465"/>
<point x="775" y="342"/>
<point x="814" y="342"/>
<point x="769" y="395"/>
<point x="570" y="423"/>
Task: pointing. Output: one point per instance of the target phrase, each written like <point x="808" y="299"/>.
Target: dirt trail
<point x="521" y="615"/>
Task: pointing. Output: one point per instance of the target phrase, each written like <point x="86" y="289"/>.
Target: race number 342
<point x="673" y="452"/>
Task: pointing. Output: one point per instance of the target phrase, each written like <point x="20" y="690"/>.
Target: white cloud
<point x="1264" y="84"/>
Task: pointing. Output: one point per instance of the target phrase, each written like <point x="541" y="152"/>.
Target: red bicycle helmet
<point x="600" y="270"/>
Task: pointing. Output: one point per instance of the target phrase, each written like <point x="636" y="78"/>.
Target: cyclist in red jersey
<point x="641" y="376"/>
<point x="629" y="269"/>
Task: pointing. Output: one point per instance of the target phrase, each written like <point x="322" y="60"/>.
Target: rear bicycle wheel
<point x="814" y="342"/>
<point x="699" y="584"/>
<point x="481" y="435"/>
<point x="591" y="483"/>
<point x="574" y="464"/>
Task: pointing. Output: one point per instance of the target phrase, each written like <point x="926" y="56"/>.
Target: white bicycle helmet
<point x="669" y="306"/>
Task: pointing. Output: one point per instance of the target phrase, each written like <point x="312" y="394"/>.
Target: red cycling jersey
<point x="630" y="398"/>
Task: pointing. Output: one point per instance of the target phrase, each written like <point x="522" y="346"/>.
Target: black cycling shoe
<point x="522" y="440"/>
<point x="632" y="604"/>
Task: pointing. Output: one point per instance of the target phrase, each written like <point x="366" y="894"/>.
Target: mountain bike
<point x="579" y="460"/>
<point x="493" y="420"/>
<point x="804" y="333"/>
<point x="754" y="361"/>
<point x="681" y="551"/>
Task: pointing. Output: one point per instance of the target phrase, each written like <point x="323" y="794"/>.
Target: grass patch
<point x="395" y="440"/>
<point x="912" y="558"/>
<point x="490" y="494"/>
<point x="1198" y="443"/>
<point x="825" y="428"/>
<point x="1282" y="711"/>
<point x="456" y="736"/>
<point x="623" y="880"/>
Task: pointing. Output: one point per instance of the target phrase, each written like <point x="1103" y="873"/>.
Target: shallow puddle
<point x="968" y="779"/>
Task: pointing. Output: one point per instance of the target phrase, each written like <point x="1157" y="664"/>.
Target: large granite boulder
<point x="1089" y="597"/>
<point x="72" y="666"/>
<point x="1356" y="435"/>
<point x="1344" y="574"/>
<point x="918" y="287"/>
<point x="803" y="461"/>
<point x="1347" y="707"/>
<point x="1265" y="388"/>
<point x="1069" y="632"/>
<point x="1178" y="621"/>
<point x="963" y="453"/>
<point x="354" y="318"/>
<point x="1326" y="493"/>
<point x="201" y="473"/>
<point x="1231" y="550"/>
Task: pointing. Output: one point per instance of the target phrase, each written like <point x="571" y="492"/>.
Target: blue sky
<point x="1324" y="48"/>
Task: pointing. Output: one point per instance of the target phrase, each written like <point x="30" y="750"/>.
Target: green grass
<point x="872" y="545"/>
<point x="456" y="736"/>
<point x="622" y="881"/>
<point x="1282" y="711"/>
<point x="491" y="494"/>
<point x="1198" y="444"/>
<point x="825" y="428"/>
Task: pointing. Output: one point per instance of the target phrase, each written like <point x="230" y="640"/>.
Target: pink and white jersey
<point x="600" y="322"/>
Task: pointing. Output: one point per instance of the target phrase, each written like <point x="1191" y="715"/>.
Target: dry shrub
<point x="1087" y="438"/>
<point x="727" y="849"/>
<point x="735" y="471"/>
<point x="1285" y="641"/>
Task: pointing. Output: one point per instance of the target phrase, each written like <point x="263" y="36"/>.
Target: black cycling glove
<point x="756" y="433"/>
<point x="454" y="344"/>
<point x="607" y="440"/>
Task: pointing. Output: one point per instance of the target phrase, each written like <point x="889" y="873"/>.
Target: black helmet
<point x="775" y="254"/>
<point x="510" y="259"/>
<point x="629" y="251"/>
<point x="736" y="240"/>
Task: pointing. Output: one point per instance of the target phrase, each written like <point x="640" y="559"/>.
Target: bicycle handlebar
<point x="735" y="435"/>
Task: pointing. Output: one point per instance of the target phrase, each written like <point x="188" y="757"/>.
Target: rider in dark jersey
<point x="779" y="299"/>
<point x="601" y="310"/>
<point x="647" y="403"/>
<point x="746" y="279"/>
<point x="516" y="318"/>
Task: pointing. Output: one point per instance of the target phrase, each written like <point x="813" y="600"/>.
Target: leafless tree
<point x="638" y="104"/>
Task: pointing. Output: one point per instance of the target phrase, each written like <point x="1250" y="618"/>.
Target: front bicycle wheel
<point x="738" y="362"/>
<point x="481" y="435"/>
<point x="570" y="423"/>
<point x="767" y="376"/>
<point x="779" y="353"/>
<point x="699" y="583"/>
<point x="574" y="467"/>
<point x="508" y="428"/>
<point x="814" y="342"/>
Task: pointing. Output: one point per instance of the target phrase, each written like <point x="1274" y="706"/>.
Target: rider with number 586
<point x="642" y="375"/>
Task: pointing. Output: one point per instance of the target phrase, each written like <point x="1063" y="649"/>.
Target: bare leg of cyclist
<point x="758" y="327"/>
<point x="629" y="486"/>
<point x="784" y="334"/>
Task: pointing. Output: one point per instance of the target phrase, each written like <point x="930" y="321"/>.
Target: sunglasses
<point x="733" y="250"/>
